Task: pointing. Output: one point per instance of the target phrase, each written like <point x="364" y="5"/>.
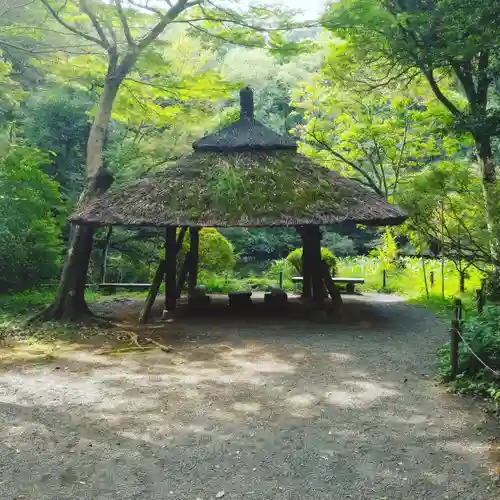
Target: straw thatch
<point x="240" y="188"/>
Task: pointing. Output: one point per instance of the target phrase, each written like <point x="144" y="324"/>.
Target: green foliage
<point x="387" y="253"/>
<point x="339" y="244"/>
<point x="272" y="80"/>
<point x="379" y="137"/>
<point x="295" y="259"/>
<point x="493" y="286"/>
<point x="262" y="244"/>
<point x="58" y="122"/>
<point x="217" y="283"/>
<point x="30" y="242"/>
<point x="443" y="203"/>
<point x="482" y="334"/>
<point x="406" y="279"/>
<point x="216" y="254"/>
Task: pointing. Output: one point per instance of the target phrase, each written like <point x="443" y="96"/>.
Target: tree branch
<point x="484" y="80"/>
<point x="95" y="22"/>
<point x="429" y="74"/>
<point x="68" y="26"/>
<point x="123" y="20"/>
<point x="369" y="181"/>
<point x="171" y="14"/>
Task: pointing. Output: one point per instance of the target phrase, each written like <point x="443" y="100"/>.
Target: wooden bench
<point x="349" y="282"/>
<point x="112" y="288"/>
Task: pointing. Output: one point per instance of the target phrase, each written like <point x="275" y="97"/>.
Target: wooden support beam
<point x="306" y="262"/>
<point x="180" y="239"/>
<point x="194" y="251"/>
<point x="153" y="292"/>
<point x="170" y="268"/>
<point x="330" y="286"/>
<point x="316" y="264"/>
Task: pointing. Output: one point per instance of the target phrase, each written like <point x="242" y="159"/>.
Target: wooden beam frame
<point x="194" y="253"/>
<point x="306" y="262"/>
<point x="170" y="268"/>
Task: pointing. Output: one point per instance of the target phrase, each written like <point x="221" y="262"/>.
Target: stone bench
<point x="241" y="298"/>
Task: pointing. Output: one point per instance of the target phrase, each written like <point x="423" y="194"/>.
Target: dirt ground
<point x="248" y="408"/>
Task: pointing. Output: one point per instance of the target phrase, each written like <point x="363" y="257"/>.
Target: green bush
<point x="482" y="334"/>
<point x="295" y="259"/>
<point x="30" y="244"/>
<point x="215" y="283"/>
<point x="216" y="254"/>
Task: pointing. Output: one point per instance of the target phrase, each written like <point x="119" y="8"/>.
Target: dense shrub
<point x="216" y="254"/>
<point x="295" y="259"/>
<point x="30" y="244"/>
<point x="482" y="334"/>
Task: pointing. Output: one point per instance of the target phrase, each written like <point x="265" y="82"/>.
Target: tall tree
<point x="126" y="33"/>
<point x="436" y="38"/>
<point x="380" y="137"/>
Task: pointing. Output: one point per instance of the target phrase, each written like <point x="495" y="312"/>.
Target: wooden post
<point x="462" y="281"/>
<point x="455" y="338"/>
<point x="281" y="279"/>
<point x="431" y="279"/>
<point x="153" y="292"/>
<point x="306" y="263"/>
<point x="194" y="250"/>
<point x="170" y="268"/>
<point x="316" y="265"/>
<point x="479" y="300"/>
<point x="330" y="286"/>
<point x="384" y="279"/>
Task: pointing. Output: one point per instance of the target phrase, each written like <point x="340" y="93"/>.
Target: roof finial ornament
<point x="246" y="104"/>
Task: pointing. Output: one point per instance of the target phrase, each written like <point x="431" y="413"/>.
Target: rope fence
<point x="456" y="337"/>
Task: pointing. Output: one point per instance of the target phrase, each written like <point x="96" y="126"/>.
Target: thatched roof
<point x="250" y="188"/>
<point x="243" y="175"/>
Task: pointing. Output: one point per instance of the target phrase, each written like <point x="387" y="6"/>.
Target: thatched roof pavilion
<point x="244" y="175"/>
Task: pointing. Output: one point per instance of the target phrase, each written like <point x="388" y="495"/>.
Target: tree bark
<point x="69" y="303"/>
<point x="488" y="175"/>
<point x="316" y="265"/>
<point x="194" y="246"/>
<point x="171" y="268"/>
<point x="306" y="263"/>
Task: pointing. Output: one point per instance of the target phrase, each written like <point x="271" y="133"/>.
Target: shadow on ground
<point x="256" y="409"/>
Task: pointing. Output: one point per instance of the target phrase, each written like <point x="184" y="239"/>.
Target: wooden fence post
<point x="479" y="300"/>
<point x="431" y="279"/>
<point x="455" y="338"/>
<point x="384" y="279"/>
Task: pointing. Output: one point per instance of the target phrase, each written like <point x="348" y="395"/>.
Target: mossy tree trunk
<point x="70" y="300"/>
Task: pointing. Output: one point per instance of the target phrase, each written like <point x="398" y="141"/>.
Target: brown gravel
<point x="249" y="410"/>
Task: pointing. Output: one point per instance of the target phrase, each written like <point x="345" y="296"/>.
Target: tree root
<point x="135" y="339"/>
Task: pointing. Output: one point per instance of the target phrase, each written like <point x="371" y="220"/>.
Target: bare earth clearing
<point x="248" y="410"/>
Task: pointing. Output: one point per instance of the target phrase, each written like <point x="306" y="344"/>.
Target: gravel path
<point x="250" y="411"/>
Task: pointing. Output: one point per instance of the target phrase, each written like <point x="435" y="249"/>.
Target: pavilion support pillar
<point x="194" y="253"/>
<point x="153" y="292"/>
<point x="306" y="262"/>
<point x="158" y="278"/>
<point x="318" y="287"/>
<point x="170" y="268"/>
